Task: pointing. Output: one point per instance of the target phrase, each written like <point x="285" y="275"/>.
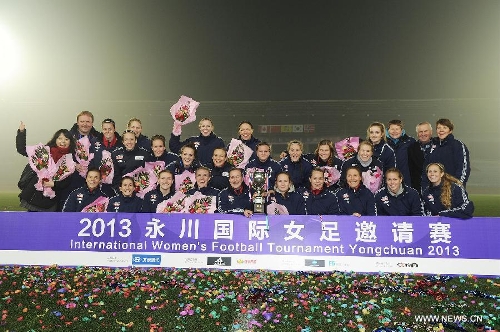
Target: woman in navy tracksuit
<point x="284" y="194"/>
<point x="319" y="200"/>
<point x="364" y="160"/>
<point x="399" y="141"/>
<point x="381" y="150"/>
<point x="236" y="199"/>
<point x="135" y="125"/>
<point x="296" y="165"/>
<point x="205" y="143"/>
<point x="126" y="201"/>
<point x="245" y="131"/>
<point x="219" y="168"/>
<point x="159" y="152"/>
<point x="163" y="191"/>
<point x="445" y="196"/>
<point x="187" y="162"/>
<point x="79" y="198"/>
<point x="396" y="198"/>
<point x="127" y="158"/>
<point x="450" y="152"/>
<point x="324" y="156"/>
<point x="355" y="199"/>
<point x="202" y="181"/>
<point x="265" y="163"/>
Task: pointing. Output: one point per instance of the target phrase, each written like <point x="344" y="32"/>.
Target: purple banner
<point x="424" y="237"/>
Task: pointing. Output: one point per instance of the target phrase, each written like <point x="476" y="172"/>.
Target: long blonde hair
<point x="446" y="181"/>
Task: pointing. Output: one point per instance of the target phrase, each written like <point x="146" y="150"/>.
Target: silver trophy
<point x="259" y="185"/>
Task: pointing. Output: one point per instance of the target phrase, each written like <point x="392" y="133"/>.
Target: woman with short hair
<point x="450" y="152"/>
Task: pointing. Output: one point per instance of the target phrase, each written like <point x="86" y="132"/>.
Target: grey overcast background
<point x="123" y="58"/>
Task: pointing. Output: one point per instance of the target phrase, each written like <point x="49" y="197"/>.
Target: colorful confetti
<point x="155" y="299"/>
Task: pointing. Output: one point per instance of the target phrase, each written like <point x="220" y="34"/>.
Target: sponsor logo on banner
<point x="402" y="264"/>
<point x="116" y="259"/>
<point x="288" y="263"/>
<point x="337" y="264"/>
<point x="219" y="261"/>
<point x="246" y="261"/>
<point x="315" y="262"/>
<point x="383" y="265"/>
<point x="146" y="259"/>
<point x="194" y="261"/>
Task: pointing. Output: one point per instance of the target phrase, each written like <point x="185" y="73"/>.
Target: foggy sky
<point x="254" y="50"/>
<point x="124" y="58"/>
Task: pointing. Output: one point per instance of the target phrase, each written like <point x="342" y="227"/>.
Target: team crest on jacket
<point x="305" y="194"/>
<point x="430" y="198"/>
<point x="97" y="145"/>
<point x="196" y="145"/>
<point x="346" y="197"/>
<point x="285" y="168"/>
<point x="153" y="198"/>
<point x="119" y="157"/>
<point x="385" y="200"/>
<point x="79" y="197"/>
<point x="230" y="198"/>
<point x="226" y="174"/>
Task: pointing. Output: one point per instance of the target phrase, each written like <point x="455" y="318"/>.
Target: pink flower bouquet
<point x="107" y="168"/>
<point x="99" y="205"/>
<point x="276" y="209"/>
<point x="373" y="179"/>
<point x="332" y="175"/>
<point x="199" y="203"/>
<point x="145" y="179"/>
<point x="158" y="166"/>
<point x="83" y="155"/>
<point x="347" y="147"/>
<point x="238" y="154"/>
<point x="46" y="169"/>
<point x="185" y="181"/>
<point x="183" y="112"/>
<point x="175" y="204"/>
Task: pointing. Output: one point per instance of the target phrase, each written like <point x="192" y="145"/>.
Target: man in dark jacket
<point x="417" y="153"/>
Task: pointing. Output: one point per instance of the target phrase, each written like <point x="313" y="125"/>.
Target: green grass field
<point x="486" y="205"/>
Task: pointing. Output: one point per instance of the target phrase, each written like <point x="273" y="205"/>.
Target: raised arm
<point x="21" y="140"/>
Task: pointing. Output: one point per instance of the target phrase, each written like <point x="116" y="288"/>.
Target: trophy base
<point x="258" y="208"/>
